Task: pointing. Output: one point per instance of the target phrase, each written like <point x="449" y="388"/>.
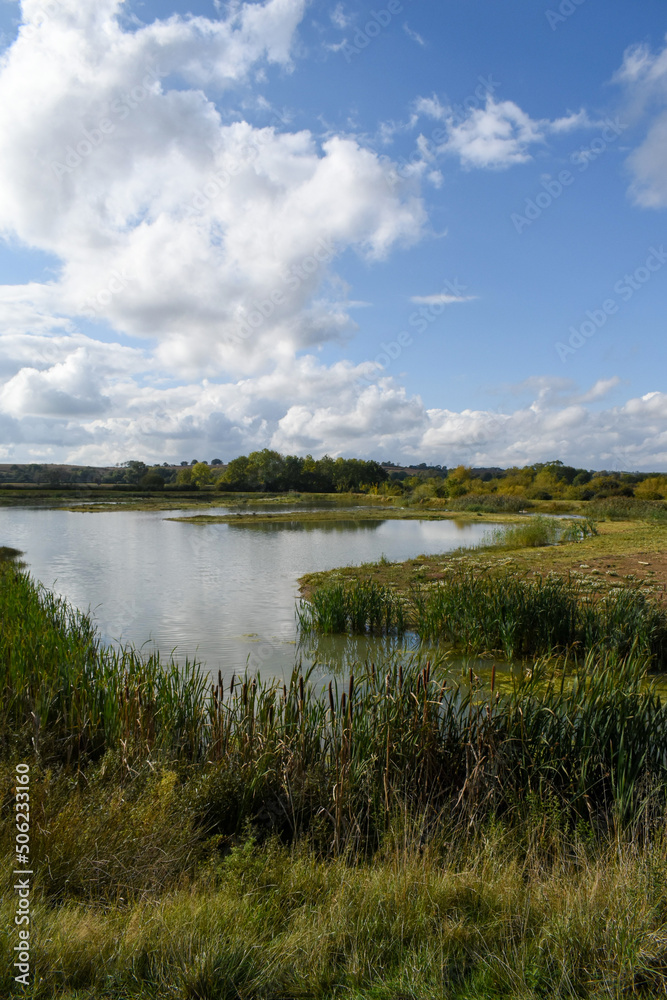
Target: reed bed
<point x="627" y="509"/>
<point x="396" y="835"/>
<point x="489" y="503"/>
<point x="365" y="606"/>
<point x="501" y="613"/>
<point x="338" y="763"/>
<point x="539" y="531"/>
<point x="68" y="696"/>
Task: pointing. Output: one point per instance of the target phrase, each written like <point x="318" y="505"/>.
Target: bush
<point x="539" y="531"/>
<point x="489" y="503"/>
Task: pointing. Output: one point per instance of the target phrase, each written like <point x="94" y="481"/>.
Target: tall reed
<point x="67" y="694"/>
<point x="339" y="763"/>
<point x="501" y="613"/>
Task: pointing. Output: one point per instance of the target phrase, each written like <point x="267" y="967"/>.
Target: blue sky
<point x="479" y="191"/>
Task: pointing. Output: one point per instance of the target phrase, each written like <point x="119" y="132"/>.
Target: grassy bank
<point x="500" y="613"/>
<point x="394" y="838"/>
<point x="487" y="601"/>
<point x="482" y="920"/>
<point x="619" y="553"/>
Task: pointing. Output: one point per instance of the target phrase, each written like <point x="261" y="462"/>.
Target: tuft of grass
<point x="500" y="613"/>
<point x="7" y="553"/>
<point x="365" y="607"/>
<point x="66" y="695"/>
<point x="539" y="531"/>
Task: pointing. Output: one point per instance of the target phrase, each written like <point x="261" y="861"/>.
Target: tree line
<point x="269" y="471"/>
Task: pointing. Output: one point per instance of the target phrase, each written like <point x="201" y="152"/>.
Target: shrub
<point x="489" y="503"/>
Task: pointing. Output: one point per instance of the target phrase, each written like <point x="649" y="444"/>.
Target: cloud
<point x="489" y="134"/>
<point x="210" y="244"/>
<point x="217" y="239"/>
<point x="496" y="136"/>
<point x="94" y="407"/>
<point x="414" y="35"/>
<point x="557" y="392"/>
<point x="643" y="75"/>
<point x="339" y="18"/>
<point x="431" y="107"/>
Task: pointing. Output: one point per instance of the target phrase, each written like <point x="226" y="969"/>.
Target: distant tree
<point x="152" y="481"/>
<point x="184" y="476"/>
<point x="135" y="471"/>
<point x="201" y="474"/>
<point x="216" y="461"/>
<point x="352" y="474"/>
<point x="236" y="475"/>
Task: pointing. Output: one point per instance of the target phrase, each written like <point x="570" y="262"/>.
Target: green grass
<point x="67" y="695"/>
<point x="363" y="607"/>
<point x="340" y="761"/>
<point x="500" y="613"/>
<point x="627" y="509"/>
<point x="482" y="920"/>
<point x="539" y="531"/>
<point x="397" y="836"/>
<point x="489" y="503"/>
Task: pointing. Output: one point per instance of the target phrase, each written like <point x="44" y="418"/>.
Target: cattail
<point x="331" y="701"/>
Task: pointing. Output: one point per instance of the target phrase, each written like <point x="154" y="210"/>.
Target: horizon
<point x="387" y="464"/>
<point x="431" y="232"/>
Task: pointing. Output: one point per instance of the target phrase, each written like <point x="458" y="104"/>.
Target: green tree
<point x="237" y="474"/>
<point x="184" y="476"/>
<point x="135" y="471"/>
<point x="201" y="474"/>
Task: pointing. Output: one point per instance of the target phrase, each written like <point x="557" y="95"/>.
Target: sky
<point x="414" y="231"/>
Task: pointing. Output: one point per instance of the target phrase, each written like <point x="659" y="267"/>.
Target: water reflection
<point x="339" y="655"/>
<point x="324" y="526"/>
<point x="225" y="595"/>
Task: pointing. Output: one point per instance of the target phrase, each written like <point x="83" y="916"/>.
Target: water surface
<point x="222" y="592"/>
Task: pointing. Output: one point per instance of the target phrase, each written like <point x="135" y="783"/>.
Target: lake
<point x="218" y="591"/>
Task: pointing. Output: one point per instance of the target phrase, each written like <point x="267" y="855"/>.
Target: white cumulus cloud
<point x="214" y="238"/>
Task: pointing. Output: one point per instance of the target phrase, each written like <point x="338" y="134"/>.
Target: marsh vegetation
<point x="401" y="833"/>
